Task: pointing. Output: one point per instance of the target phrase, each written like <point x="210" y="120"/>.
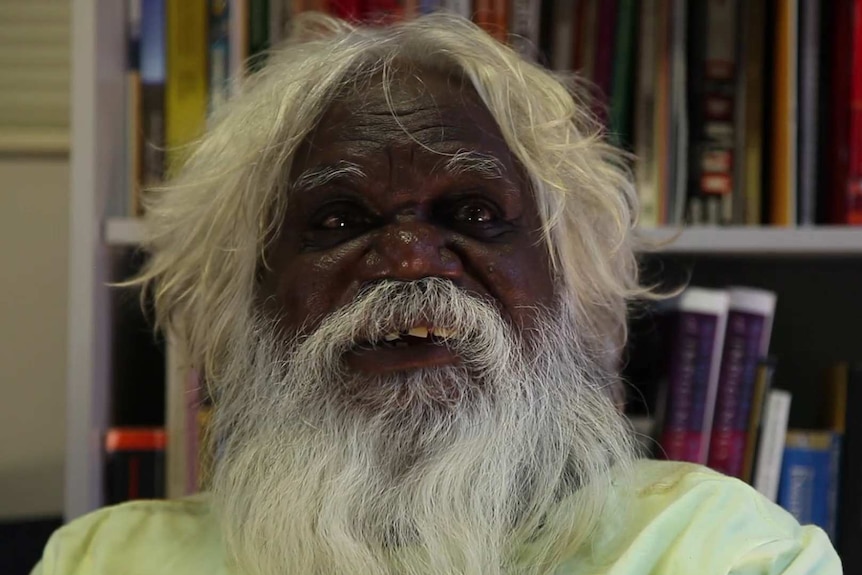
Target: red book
<point x="854" y="177"/>
<point x="839" y="120"/>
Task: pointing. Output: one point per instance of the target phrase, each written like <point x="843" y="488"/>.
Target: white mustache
<point x="388" y="307"/>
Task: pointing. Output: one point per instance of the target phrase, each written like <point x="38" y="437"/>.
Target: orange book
<point x="782" y="209"/>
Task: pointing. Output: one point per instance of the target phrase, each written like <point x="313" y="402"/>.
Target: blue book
<point x="808" y="488"/>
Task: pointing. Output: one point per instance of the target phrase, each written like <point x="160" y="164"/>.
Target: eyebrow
<point x="472" y="162"/>
<point x="321" y="175"/>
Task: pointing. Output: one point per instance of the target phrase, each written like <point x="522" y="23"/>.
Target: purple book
<point x="749" y="326"/>
<point x="697" y="334"/>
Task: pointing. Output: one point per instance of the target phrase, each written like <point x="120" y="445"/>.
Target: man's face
<point x="431" y="191"/>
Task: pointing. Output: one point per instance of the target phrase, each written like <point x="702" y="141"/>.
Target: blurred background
<point x="35" y="96"/>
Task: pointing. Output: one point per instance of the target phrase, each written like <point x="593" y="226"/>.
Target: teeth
<point x="418" y="332"/>
<point x="391" y="336"/>
<point x="442" y="332"/>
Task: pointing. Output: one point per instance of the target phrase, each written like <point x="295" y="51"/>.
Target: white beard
<point x="321" y="471"/>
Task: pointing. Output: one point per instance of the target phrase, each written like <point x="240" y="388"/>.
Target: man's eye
<point x="341" y="218"/>
<point x="475" y="212"/>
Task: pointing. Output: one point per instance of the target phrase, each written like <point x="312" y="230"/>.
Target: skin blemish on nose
<point x="407" y="237"/>
<point x="372" y="259"/>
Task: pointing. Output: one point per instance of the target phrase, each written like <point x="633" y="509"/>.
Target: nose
<point x="411" y="251"/>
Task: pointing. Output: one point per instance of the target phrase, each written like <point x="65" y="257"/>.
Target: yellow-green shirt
<point x="680" y="519"/>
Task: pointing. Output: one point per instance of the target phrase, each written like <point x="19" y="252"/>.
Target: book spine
<point x="808" y="87"/>
<point x="604" y="56"/>
<point x="238" y="38"/>
<point x="218" y="61"/>
<point x="524" y="27"/>
<point x="808" y="485"/>
<point x="258" y="33"/>
<point x="153" y="72"/>
<point x="492" y="16"/>
<point x="854" y="183"/>
<point x="186" y="85"/>
<point x="463" y="8"/>
<point x="714" y="102"/>
<point x="735" y="390"/>
<point x="134" y="160"/>
<point x="134" y="464"/>
<point x="755" y="20"/>
<point x="839" y="115"/>
<point x="680" y="395"/>
<point x="644" y="116"/>
<point x="784" y="126"/>
<point x="756" y="420"/>
<point x="770" y="451"/>
<point x="563" y="35"/>
<point x="850" y="482"/>
<point x="679" y="140"/>
<point x="693" y="374"/>
<point x="623" y="72"/>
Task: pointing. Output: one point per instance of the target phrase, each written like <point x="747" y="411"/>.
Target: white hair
<point x="324" y="471"/>
<point x="207" y="230"/>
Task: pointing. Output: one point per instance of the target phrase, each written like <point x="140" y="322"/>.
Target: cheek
<point x="310" y="286"/>
<point x="520" y="278"/>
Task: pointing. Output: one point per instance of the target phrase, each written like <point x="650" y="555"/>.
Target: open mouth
<point x="419" y="335"/>
<point x="415" y="348"/>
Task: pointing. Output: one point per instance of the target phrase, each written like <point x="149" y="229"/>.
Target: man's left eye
<point x="475" y="212"/>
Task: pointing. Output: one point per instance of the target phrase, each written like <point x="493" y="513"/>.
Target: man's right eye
<point x="341" y="216"/>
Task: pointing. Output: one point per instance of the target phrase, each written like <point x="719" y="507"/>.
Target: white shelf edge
<point x="800" y="241"/>
<point x="823" y="240"/>
<point x="123" y="231"/>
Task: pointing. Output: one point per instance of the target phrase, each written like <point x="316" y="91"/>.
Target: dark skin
<point x="407" y="218"/>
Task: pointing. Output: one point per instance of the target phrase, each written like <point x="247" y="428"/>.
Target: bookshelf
<point x="802" y="263"/>
<point x="819" y="241"/>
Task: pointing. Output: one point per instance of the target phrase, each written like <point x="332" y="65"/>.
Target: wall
<point x="34" y="230"/>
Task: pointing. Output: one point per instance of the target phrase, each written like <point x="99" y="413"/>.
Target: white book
<point x="460" y="7"/>
<point x="770" y="450"/>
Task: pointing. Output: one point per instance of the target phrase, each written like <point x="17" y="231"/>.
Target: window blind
<point x="34" y="75"/>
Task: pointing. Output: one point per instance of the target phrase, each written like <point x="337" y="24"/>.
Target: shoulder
<point x="136" y="537"/>
<point x="672" y="517"/>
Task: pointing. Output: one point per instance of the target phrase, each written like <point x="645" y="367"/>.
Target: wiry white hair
<point x="503" y="464"/>
<point x="207" y="230"/>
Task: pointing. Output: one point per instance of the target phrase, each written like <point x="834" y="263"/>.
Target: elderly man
<point x="403" y="258"/>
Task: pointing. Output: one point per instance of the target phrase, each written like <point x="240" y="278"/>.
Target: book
<point x="850" y="482"/>
<point x="697" y="324"/>
<point x="808" y="487"/>
<point x="218" y="57"/>
<point x="854" y="180"/>
<point x="186" y="85"/>
<point x="153" y="70"/>
<point x="130" y="204"/>
<point x="524" y="27"/>
<point x="134" y="464"/>
<point x="746" y="342"/>
<point x="770" y="449"/>
<point x="784" y="120"/>
<point x="808" y="113"/>
<point x="757" y="415"/>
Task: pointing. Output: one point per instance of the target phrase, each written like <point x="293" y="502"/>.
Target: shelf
<point x="123" y="232"/>
<point x="724" y="241"/>
<point x="765" y="241"/>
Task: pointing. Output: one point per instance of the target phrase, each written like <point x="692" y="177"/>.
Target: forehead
<point x="424" y="112"/>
